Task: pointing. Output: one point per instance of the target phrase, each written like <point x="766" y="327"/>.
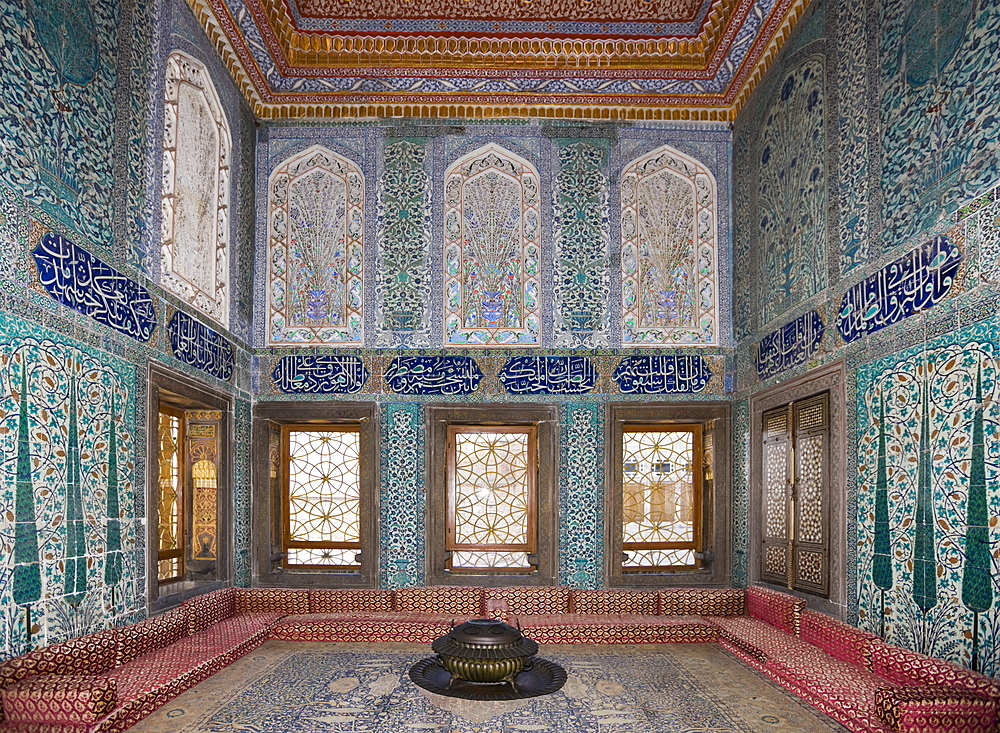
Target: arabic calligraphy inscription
<point x="320" y="374"/>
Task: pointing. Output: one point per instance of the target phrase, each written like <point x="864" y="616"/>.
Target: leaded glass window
<point x="492" y="229"/>
<point x="491" y="497"/>
<point x="322" y="496"/>
<point x="194" y="242"/>
<point x="661" y="496"/>
<point x="170" y="505"/>
<point x="315" y="250"/>
<point x="669" y="251"/>
<point x="795" y="537"/>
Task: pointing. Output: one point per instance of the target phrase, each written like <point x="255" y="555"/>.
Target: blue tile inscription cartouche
<point x="199" y="346"/>
<point x="789" y="345"/>
<point x="913" y="283"/>
<point x="79" y="280"/>
<point x="319" y="374"/>
<point x="548" y="375"/>
<point x="662" y="374"/>
<point x="433" y="375"/>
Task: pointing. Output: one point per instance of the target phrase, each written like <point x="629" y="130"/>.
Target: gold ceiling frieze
<point x="332" y="49"/>
<point x="268" y="105"/>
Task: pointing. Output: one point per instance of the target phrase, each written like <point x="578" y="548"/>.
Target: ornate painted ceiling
<point x="575" y="59"/>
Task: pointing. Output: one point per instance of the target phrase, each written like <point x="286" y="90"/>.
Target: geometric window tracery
<point x="322" y="496"/>
<point x="669" y="251"/>
<point x="661" y="497"/>
<point x="194" y="239"/>
<point x="491" y="497"/>
<point x="315" y="250"/>
<point x="492" y="230"/>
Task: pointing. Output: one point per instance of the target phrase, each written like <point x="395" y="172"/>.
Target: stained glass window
<point x="315" y="250"/>
<point x="492" y="250"/>
<point x="194" y="242"/>
<point x="170" y="505"/>
<point x="491" y="497"/>
<point x="661" y="496"/>
<point x="322" y="517"/>
<point x="669" y="251"/>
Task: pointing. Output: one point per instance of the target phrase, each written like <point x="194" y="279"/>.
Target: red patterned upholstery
<point x="347" y="600"/>
<point x="641" y="602"/>
<point x="271" y="600"/>
<point x="90" y="654"/>
<point x="66" y="700"/>
<point x="778" y="609"/>
<point x="463" y="602"/>
<point x="701" y="601"/>
<point x="836" y="638"/>
<point x="936" y="710"/>
<point x="905" y="667"/>
<point x="615" y="629"/>
<point x="840" y="689"/>
<point x="411" y="628"/>
<point x="760" y="640"/>
<point x="210" y="608"/>
<point x="532" y="600"/>
<point x="153" y="633"/>
<point x="496" y="608"/>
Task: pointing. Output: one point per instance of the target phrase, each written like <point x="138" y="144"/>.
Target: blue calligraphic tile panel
<point x="199" y="346"/>
<point x="913" y="283"/>
<point x="790" y="345"/>
<point x="77" y="279"/>
<point x="548" y="375"/>
<point x="320" y="374"/>
<point x="662" y="374"/>
<point x="433" y="375"/>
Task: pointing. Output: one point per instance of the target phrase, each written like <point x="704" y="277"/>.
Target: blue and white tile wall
<point x="82" y="136"/>
<point x="909" y="254"/>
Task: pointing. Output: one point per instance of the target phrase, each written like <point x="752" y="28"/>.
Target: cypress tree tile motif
<point x="67" y="416"/>
<point x="928" y="460"/>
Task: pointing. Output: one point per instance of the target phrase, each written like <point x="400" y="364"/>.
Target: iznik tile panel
<point x="662" y="374"/>
<point x="433" y="375"/>
<point x="320" y="374"/>
<point x="913" y="283"/>
<point x="199" y="346"/>
<point x="928" y="430"/>
<point x="548" y="375"/>
<point x="81" y="281"/>
<point x="790" y="345"/>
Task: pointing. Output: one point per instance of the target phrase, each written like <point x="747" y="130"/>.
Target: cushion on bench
<point x="532" y="600"/>
<point x="347" y="600"/>
<point x="777" y="608"/>
<point x="271" y="600"/>
<point x="761" y="640"/>
<point x="75" y="700"/>
<point x="836" y="638"/>
<point x="615" y="628"/>
<point x="210" y="608"/>
<point x="701" y="601"/>
<point x="411" y="628"/>
<point x="462" y="602"/>
<point x="949" y="709"/>
<point x="157" y="632"/>
<point x="641" y="602"/>
<point x="91" y="654"/>
<point x="905" y="667"/>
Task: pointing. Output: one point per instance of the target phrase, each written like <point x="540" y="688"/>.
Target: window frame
<point x="545" y="419"/>
<point x="714" y="560"/>
<point x="164" y="386"/>
<point x="698" y="509"/>
<point x="267" y="532"/>
<point x="165" y="408"/>
<point x="830" y="377"/>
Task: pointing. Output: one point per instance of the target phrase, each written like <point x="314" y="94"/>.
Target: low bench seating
<point x="109" y="680"/>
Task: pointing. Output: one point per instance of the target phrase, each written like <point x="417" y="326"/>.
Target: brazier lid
<point x="484" y="638"/>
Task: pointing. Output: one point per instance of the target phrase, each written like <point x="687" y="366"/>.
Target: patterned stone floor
<point x="309" y="687"/>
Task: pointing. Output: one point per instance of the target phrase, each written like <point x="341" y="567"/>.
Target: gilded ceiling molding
<point x="326" y="50"/>
<point x="266" y="104"/>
